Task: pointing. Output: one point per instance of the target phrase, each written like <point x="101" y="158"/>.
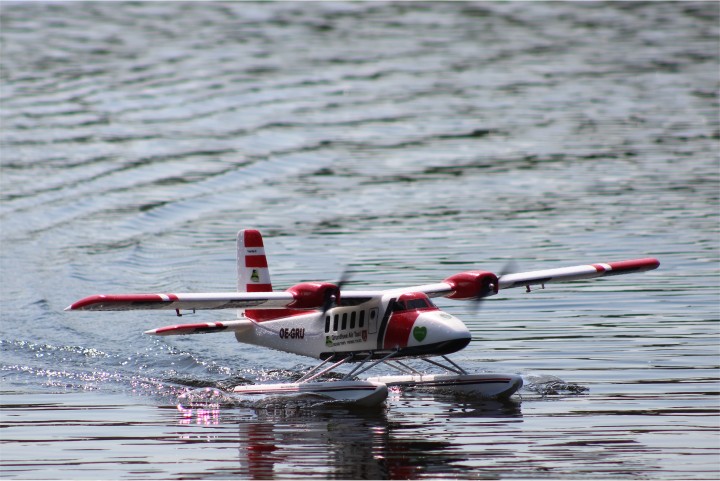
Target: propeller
<point x="333" y="297"/>
<point x="509" y="268"/>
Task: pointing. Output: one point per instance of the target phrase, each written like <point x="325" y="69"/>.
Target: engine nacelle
<point x="313" y="295"/>
<point x="472" y="285"/>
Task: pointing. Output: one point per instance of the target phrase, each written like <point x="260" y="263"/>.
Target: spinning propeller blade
<point x="332" y="299"/>
<point x="509" y="268"/>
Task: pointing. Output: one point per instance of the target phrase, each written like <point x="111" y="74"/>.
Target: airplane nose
<point x="439" y="331"/>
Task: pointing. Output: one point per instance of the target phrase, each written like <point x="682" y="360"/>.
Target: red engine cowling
<point x="313" y="295"/>
<point x="472" y="285"/>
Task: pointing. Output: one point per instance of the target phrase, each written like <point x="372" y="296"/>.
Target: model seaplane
<point x="365" y="328"/>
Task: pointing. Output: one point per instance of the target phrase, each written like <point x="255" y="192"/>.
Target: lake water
<point x="409" y="141"/>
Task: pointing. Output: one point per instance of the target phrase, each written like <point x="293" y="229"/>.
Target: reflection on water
<point x="347" y="443"/>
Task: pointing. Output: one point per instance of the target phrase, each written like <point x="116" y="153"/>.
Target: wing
<point x="192" y="301"/>
<point x="474" y="284"/>
<point x="565" y="274"/>
<point x="465" y="285"/>
<point x="218" y="300"/>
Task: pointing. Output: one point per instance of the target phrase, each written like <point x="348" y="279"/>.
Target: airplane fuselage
<point x="408" y="324"/>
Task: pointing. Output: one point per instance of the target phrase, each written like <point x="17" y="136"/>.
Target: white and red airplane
<point x="368" y="327"/>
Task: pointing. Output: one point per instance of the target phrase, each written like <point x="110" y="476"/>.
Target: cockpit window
<point x="416" y="304"/>
<point x="413" y="304"/>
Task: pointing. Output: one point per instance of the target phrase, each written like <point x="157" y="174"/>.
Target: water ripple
<point x="406" y="140"/>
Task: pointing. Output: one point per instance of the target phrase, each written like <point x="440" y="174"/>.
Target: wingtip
<point x="635" y="265"/>
<point x="71" y="307"/>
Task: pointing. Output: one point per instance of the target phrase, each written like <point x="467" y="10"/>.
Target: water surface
<point x="409" y="141"/>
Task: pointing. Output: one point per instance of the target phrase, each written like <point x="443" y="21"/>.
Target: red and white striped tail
<point x="252" y="265"/>
<point x="254" y="274"/>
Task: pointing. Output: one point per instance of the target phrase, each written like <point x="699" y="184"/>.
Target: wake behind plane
<point x="363" y="328"/>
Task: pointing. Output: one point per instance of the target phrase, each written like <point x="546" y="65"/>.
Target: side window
<point x="335" y="322"/>
<point x="344" y="321"/>
<point x="327" y="323"/>
<point x="361" y="321"/>
<point x="373" y="320"/>
<point x="353" y="315"/>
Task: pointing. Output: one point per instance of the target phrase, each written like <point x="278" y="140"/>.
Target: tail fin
<point x="254" y="274"/>
<point x="252" y="266"/>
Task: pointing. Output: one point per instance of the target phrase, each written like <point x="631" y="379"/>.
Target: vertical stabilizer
<point x="252" y="266"/>
<point x="254" y="274"/>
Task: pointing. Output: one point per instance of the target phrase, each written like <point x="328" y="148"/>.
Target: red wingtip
<point x="98" y="301"/>
<point x="637" y="265"/>
<point x="86" y="301"/>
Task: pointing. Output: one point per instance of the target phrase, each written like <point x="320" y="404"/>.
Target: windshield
<point x="414" y="304"/>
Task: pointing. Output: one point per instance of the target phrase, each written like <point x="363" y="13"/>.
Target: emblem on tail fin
<point x="254" y="275"/>
<point x="252" y="266"/>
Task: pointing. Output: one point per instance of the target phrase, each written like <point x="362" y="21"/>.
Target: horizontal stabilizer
<point x="200" y="328"/>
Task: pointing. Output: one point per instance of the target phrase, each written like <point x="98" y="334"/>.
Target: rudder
<point x="252" y="266"/>
<point x="254" y="274"/>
